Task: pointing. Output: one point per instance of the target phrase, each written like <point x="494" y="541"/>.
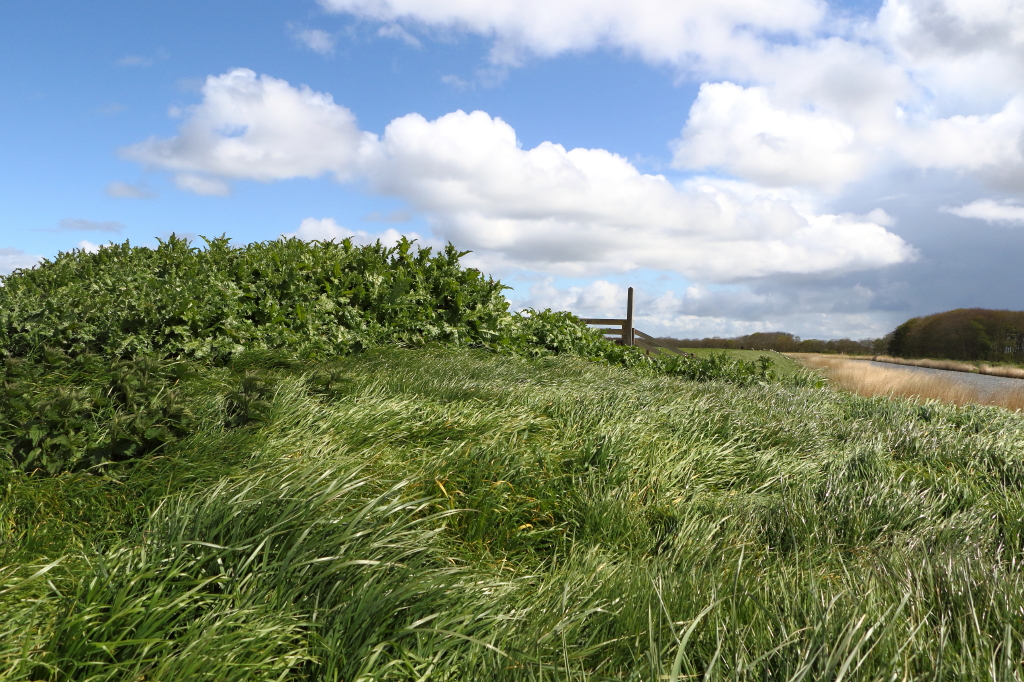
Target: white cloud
<point x="126" y="190"/>
<point x="320" y="229"/>
<point x="739" y="130"/>
<point x="701" y="311"/>
<point x="990" y="211"/>
<point x="579" y="211"/>
<point x="596" y="299"/>
<point x="398" y="33"/>
<point x="14" y="259"/>
<point x="657" y="30"/>
<point x="315" y="39"/>
<point x="258" y="128"/>
<point x="973" y="47"/>
<point x="201" y="185"/>
<point x="584" y="211"/>
<point x="456" y="82"/>
<point x="928" y="84"/>
<point x="81" y="225"/>
<point x="328" y="230"/>
<point x="88" y="246"/>
<point x="972" y="142"/>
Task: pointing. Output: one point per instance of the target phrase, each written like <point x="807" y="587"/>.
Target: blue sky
<point x="829" y="170"/>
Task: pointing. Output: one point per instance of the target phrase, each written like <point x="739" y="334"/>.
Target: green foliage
<point x="450" y="514"/>
<point x="98" y="347"/>
<point x="963" y="334"/>
<point x="717" y="367"/>
<point x="784" y="342"/>
<point x="178" y="301"/>
<point x="75" y="413"/>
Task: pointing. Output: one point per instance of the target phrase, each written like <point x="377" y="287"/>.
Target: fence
<point x="625" y="334"/>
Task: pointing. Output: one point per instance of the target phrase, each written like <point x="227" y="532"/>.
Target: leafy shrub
<point x="96" y="346"/>
<point x="719" y="367"/>
<point x="178" y="301"/>
<point x="76" y="413"/>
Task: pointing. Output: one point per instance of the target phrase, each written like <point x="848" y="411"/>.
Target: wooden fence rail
<point x="624" y="334"/>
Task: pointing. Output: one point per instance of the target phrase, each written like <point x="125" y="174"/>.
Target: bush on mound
<point x="110" y="356"/>
<point x="179" y="301"/>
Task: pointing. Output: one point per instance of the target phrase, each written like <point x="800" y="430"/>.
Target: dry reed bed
<point x="954" y="366"/>
<point x="864" y="378"/>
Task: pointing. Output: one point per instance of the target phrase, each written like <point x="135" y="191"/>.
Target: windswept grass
<point x="866" y="379"/>
<point x="456" y="515"/>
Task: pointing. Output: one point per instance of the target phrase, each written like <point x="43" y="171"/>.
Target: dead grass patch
<point x="866" y="379"/>
<point x="955" y="366"/>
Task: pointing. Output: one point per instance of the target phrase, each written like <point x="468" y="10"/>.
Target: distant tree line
<point x="784" y="342"/>
<point x="963" y="334"/>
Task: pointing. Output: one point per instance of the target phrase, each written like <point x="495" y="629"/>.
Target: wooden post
<point x="627" y="329"/>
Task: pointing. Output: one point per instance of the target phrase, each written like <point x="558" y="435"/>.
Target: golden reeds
<point x="955" y="366"/>
<point x="864" y="378"/>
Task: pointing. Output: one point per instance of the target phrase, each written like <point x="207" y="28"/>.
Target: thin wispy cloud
<point x="999" y="213"/>
<point x="396" y="32"/>
<point x="142" y="60"/>
<point x="83" y="225"/>
<point x="315" y="39"/>
<point x="126" y="190"/>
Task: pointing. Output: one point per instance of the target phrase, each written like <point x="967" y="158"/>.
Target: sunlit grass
<point x="453" y="515"/>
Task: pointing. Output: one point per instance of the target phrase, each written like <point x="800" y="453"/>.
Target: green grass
<point x="781" y="365"/>
<point x="458" y="515"/>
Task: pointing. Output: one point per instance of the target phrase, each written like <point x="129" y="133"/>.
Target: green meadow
<point x="522" y="502"/>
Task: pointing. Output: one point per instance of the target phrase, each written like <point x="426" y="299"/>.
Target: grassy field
<point x="461" y="515"/>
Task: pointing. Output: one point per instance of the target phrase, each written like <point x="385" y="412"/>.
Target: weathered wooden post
<point x="627" y="328"/>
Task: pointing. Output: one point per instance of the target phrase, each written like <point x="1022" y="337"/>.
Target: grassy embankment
<point x="452" y="514"/>
<point x="197" y="483"/>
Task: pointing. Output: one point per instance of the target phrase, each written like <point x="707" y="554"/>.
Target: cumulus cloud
<point x="126" y="190"/>
<point x="974" y="48"/>
<point x="82" y="225"/>
<point x="927" y="84"/>
<point x="1001" y="213"/>
<point x="738" y="130"/>
<point x="579" y="211"/>
<point x="328" y="230"/>
<point x="320" y="229"/>
<point x="14" y="259"/>
<point x="657" y="30"/>
<point x="732" y="310"/>
<point x="315" y="39"/>
<point x="585" y="211"/>
<point x="600" y="298"/>
<point x="88" y="246"/>
<point x="259" y="128"/>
